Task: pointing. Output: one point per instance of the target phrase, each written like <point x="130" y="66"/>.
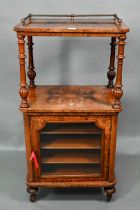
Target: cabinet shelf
<point x="71" y="170"/>
<point x="71" y="142"/>
<point x="74" y="157"/>
<point x="71" y="128"/>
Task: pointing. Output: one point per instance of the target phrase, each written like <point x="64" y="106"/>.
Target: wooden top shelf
<point x="65" y="99"/>
<point x="72" y="24"/>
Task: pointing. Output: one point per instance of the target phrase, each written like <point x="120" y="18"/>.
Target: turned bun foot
<point x="109" y="192"/>
<point x="33" y="197"/>
<point x="33" y="193"/>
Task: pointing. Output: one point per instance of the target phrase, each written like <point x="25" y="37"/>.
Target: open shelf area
<point x="70" y="98"/>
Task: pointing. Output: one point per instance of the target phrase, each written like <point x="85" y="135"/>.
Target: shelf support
<point x="31" y="72"/>
<point x="111" y="73"/>
<point x="23" y="86"/>
<point x="118" y="91"/>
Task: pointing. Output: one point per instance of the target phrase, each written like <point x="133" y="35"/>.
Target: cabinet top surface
<point x="72" y="24"/>
<point x="70" y="98"/>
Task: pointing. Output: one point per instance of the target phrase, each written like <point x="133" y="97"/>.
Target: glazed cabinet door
<point x="69" y="148"/>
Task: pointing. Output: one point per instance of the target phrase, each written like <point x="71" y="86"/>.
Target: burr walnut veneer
<point x="70" y="131"/>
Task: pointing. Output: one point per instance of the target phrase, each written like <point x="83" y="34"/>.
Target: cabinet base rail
<point x="33" y="187"/>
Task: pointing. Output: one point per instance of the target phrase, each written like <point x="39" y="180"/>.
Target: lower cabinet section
<point x="70" y="151"/>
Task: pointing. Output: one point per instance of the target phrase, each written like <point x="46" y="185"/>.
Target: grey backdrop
<point x="68" y="61"/>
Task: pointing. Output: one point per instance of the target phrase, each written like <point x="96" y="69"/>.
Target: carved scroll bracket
<point x="103" y="123"/>
<point x="38" y="123"/>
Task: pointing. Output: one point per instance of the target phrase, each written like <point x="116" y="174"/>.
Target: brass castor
<point x="109" y="192"/>
<point x="33" y="193"/>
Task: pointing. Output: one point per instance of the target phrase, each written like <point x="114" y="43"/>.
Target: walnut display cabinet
<point x="70" y="130"/>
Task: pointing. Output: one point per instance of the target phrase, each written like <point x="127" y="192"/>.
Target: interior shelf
<point x="71" y="170"/>
<point x="71" y="142"/>
<point x="68" y="157"/>
<point x="71" y="128"/>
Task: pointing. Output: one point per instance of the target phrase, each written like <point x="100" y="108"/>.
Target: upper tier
<point x="70" y="99"/>
<point x="101" y="25"/>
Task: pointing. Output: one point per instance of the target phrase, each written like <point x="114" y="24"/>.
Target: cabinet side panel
<point x="113" y="148"/>
<point x="105" y="149"/>
<point x="28" y="146"/>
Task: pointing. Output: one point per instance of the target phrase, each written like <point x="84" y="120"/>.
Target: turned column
<point x="23" y="86"/>
<point x="118" y="91"/>
<point x="31" y="72"/>
<point x="111" y="73"/>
